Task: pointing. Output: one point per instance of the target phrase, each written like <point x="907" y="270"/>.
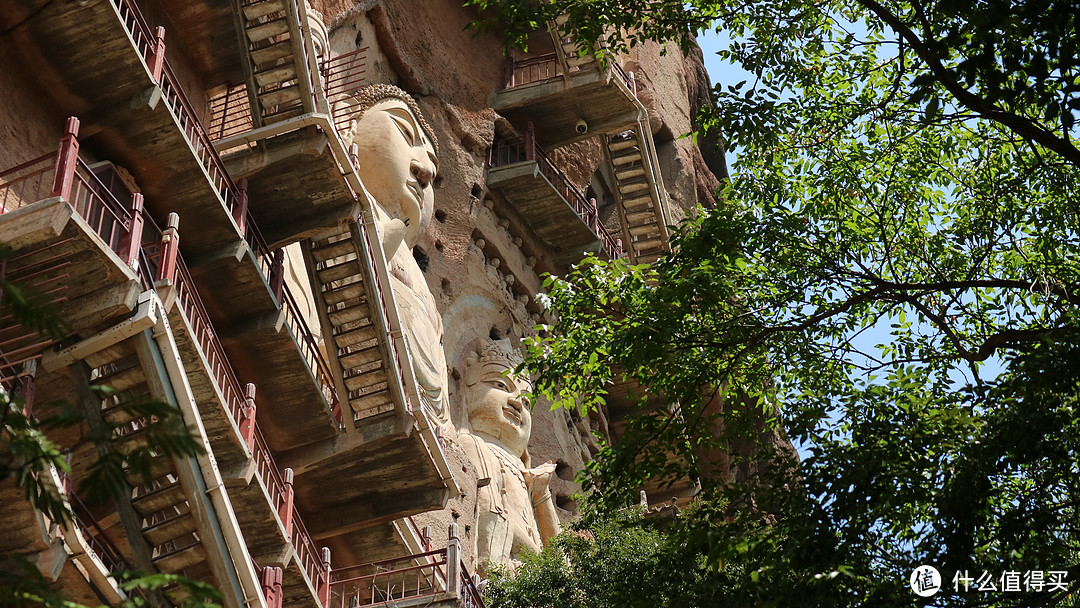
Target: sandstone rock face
<point x="480" y="256"/>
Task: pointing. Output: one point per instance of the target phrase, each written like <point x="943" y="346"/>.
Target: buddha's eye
<point x="405" y="126"/>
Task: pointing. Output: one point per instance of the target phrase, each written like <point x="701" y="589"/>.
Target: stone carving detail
<point x="514" y="505"/>
<point x="397" y="159"/>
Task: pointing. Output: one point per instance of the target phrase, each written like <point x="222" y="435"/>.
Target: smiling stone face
<point x="495" y="400"/>
<point x="397" y="163"/>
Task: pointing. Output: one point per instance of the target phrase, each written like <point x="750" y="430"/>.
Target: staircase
<point x="167" y="524"/>
<point x="645" y="235"/>
<point x="279" y="83"/>
<point x="346" y="296"/>
<point x="567" y="50"/>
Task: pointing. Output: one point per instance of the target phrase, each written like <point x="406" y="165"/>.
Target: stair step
<point x="365" y="380"/>
<point x="272" y="28"/>
<point x="130" y="441"/>
<point x="159" y="467"/>
<point x="638" y="217"/>
<point x="355" y="336"/>
<point x="280" y="115"/>
<point x="173" y="528"/>
<point x="644" y="229"/>
<point x="181" y="559"/>
<point x="272" y="53"/>
<point x="634" y="204"/>
<point x="615" y="145"/>
<point x="275" y="75"/>
<point x="647" y="244"/>
<point x="340" y="271"/>
<point x="350" y="314"/>
<point x="360" y="357"/>
<point x="626" y="159"/>
<point x="630" y="173"/>
<point x="279" y="96"/>
<point x="352" y="291"/>
<point x="159" y="499"/>
<point x="562" y="19"/>
<point x="333" y="250"/>
<point x="256" y="10"/>
<point x="633" y="187"/>
<point x="370" y="402"/>
<point x="262" y="9"/>
<point x="118" y="415"/>
<point x="124" y="379"/>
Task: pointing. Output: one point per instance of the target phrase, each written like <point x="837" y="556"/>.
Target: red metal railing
<point x="470" y="594"/>
<point x="312" y="354"/>
<point x="524" y="149"/>
<point x="344" y="75"/>
<point x="95" y="537"/>
<point x="152" y="48"/>
<point x="27" y="183"/>
<point x="230" y="113"/>
<point x="203" y="331"/>
<point x="33" y="181"/>
<point x="537" y="68"/>
<point x="389" y="580"/>
<point x="532" y="69"/>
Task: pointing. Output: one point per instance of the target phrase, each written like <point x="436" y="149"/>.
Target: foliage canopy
<point x="901" y="211"/>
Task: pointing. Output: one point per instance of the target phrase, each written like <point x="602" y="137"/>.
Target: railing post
<point x="285" y="509"/>
<point x="170" y="238"/>
<point x="633" y="83"/>
<point x="67" y="157"/>
<point x="530" y="141"/>
<point x="453" y="561"/>
<point x="277" y="276"/>
<point x="132" y="241"/>
<point x="425" y="538"/>
<point x="247" y="418"/>
<point x="241" y="207"/>
<point x="323" y="586"/>
<point x="27" y="388"/>
<point x="156" y="60"/>
<point x="509" y="71"/>
<point x="354" y="153"/>
<point x="271" y="586"/>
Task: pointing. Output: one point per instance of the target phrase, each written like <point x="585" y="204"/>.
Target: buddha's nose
<point x="421" y="173"/>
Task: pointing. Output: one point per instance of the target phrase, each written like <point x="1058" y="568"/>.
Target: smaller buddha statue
<point x="515" y="509"/>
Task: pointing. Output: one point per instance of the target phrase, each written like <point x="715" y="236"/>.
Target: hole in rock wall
<point x="421" y="258"/>
<point x="495" y="334"/>
<point x="564" y="471"/>
<point x="565" y="502"/>
<point x="477" y="191"/>
<point x="438" y="246"/>
<point x="440" y="215"/>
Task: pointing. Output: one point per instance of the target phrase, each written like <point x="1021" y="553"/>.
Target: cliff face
<point x="483" y="260"/>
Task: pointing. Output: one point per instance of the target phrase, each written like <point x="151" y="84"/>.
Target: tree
<point x="903" y="167"/>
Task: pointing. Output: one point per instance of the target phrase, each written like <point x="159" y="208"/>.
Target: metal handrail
<point x="532" y="69"/>
<point x="312" y="354"/>
<point x="512" y="151"/>
<point x="382" y="581"/>
<point x="178" y="102"/>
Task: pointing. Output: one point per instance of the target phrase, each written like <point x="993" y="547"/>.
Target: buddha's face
<point x="397" y="163"/>
<point x="498" y="408"/>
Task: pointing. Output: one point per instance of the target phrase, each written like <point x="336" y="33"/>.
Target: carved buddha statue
<point x="515" y="510"/>
<point x="397" y="161"/>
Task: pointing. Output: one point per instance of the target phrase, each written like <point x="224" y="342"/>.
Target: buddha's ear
<point x="347" y="105"/>
<point x="472" y="368"/>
